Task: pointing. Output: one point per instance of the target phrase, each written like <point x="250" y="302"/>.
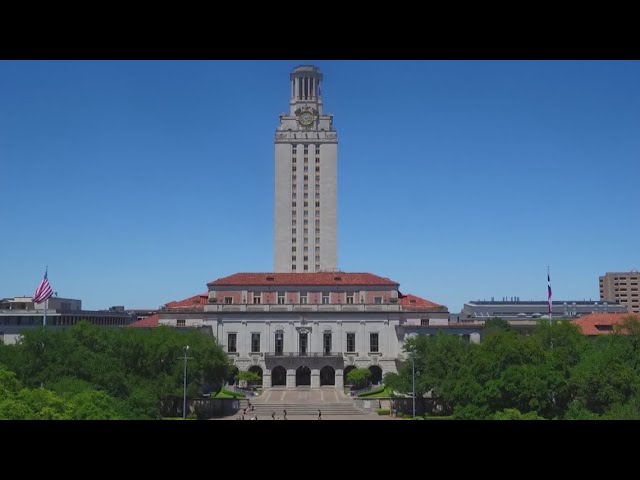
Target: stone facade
<point x="347" y="320"/>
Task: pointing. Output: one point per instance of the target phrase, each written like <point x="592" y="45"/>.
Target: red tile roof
<point x="601" y="323"/>
<point x="303" y="279"/>
<point x="196" y="302"/>
<point x="411" y="302"/>
<point x="148" y="322"/>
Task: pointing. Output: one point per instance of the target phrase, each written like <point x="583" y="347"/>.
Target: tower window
<point x="317" y="150"/>
<point x="317" y="204"/>
<point x="293" y="267"/>
<point x="317" y="168"/>
<point x="293" y="204"/>
<point x="294" y="159"/>
<point x="306" y="267"/>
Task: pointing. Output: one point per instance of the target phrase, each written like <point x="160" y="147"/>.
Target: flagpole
<point x="550" y="301"/>
<point x="46" y="304"/>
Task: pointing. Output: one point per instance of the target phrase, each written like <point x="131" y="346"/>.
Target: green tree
<point x="515" y="414"/>
<point x="358" y="377"/>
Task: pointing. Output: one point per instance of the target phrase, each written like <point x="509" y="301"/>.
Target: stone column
<point x="266" y="379"/>
<point x="315" y="378"/>
<point x="339" y="379"/>
<point x="291" y="378"/>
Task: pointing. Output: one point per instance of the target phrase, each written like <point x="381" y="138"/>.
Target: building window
<point x="228" y="300"/>
<point x="293" y="222"/>
<point x="317" y="239"/>
<point x="317" y="152"/>
<point x="293" y="258"/>
<point x="317" y="204"/>
<point x="325" y="298"/>
<point x="317" y="168"/>
<point x="317" y="258"/>
<point x="317" y="160"/>
<point x="306" y="204"/>
<point x="181" y="323"/>
<point x="294" y="168"/>
<point x="231" y="342"/>
<point x="377" y="300"/>
<point x="424" y="322"/>
<point x="293" y="249"/>
<point x="293" y="204"/>
<point x="303" y="297"/>
<point x="279" y="343"/>
<point x="294" y="212"/>
<point x="306" y="267"/>
<point x="255" y="342"/>
<point x="350" y="298"/>
<point x="306" y="258"/>
<point x="280" y="298"/>
<point x="326" y="343"/>
<point x="373" y="342"/>
<point x="293" y="231"/>
<point x="317" y="267"/>
<point x="351" y="342"/>
<point x="293" y="267"/>
<point x="306" y="149"/>
<point x="306" y="168"/>
<point x="293" y="240"/>
<point x="317" y="231"/>
<point x="306" y="230"/>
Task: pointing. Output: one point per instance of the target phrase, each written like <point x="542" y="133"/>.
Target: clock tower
<point x="305" y="217"/>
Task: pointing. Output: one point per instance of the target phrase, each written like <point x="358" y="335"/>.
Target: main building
<point x="307" y="323"/>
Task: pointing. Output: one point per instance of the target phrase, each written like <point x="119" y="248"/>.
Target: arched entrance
<point x="376" y="374"/>
<point x="327" y="376"/>
<point x="346" y="372"/>
<point x="258" y="370"/>
<point x="278" y="376"/>
<point x="233" y="376"/>
<point x="303" y="376"/>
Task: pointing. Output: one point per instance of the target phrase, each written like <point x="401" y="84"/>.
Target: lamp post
<point x="413" y="378"/>
<point x="184" y="397"/>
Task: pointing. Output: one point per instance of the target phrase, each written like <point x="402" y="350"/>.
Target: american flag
<point x="549" y="290"/>
<point x="44" y="291"/>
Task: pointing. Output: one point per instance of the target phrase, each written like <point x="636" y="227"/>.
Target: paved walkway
<point x="371" y="416"/>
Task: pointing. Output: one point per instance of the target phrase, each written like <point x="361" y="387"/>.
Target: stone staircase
<point x="302" y="402"/>
<point x="264" y="410"/>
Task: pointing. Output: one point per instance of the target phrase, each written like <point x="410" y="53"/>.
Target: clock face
<point x="306" y="118"/>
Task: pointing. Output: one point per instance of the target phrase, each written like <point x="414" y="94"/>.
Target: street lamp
<point x="184" y="397"/>
<point x="412" y="356"/>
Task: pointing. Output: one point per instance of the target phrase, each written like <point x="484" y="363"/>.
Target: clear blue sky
<point x="138" y="182"/>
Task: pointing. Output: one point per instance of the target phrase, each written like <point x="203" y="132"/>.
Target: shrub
<point x="383" y="411"/>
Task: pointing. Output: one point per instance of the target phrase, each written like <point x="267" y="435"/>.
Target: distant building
<point x="532" y="310"/>
<point x="20" y="313"/>
<point x="596" y="324"/>
<point x="621" y="287"/>
<point x="297" y="329"/>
